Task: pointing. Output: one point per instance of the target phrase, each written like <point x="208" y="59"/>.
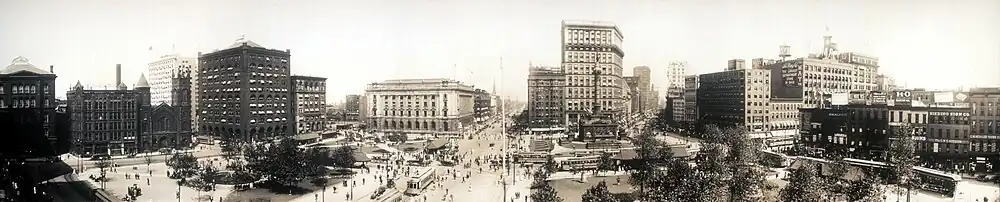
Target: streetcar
<point x="417" y="184"/>
<point x="532" y="157"/>
<point x="937" y="181"/>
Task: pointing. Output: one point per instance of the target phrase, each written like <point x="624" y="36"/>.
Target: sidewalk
<point x="366" y="184"/>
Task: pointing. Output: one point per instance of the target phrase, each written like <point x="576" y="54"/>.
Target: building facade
<point x="735" y="98"/>
<point x="352" y="108"/>
<point x="691" y="115"/>
<point x="635" y="93"/>
<point x="735" y="64"/>
<point x="864" y="70"/>
<point x="546" y="100"/>
<point x="592" y="63"/>
<point x="984" y="126"/>
<point x="420" y="106"/>
<point x="110" y="121"/>
<point x="675" y="89"/>
<point x="645" y="86"/>
<point x="244" y="93"/>
<point x="784" y="125"/>
<point x="482" y="105"/>
<point x="26" y="87"/>
<point x="161" y="76"/>
<point x="309" y="103"/>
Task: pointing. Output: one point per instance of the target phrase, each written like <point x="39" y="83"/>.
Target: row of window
<point x="411" y="113"/>
<point x="25" y="89"/>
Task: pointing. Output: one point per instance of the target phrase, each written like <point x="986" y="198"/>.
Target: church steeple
<point x="494" y="86"/>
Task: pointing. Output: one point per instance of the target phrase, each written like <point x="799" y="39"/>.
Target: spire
<point x="142" y="82"/>
<point x="78" y="85"/>
<point x="494" y="86"/>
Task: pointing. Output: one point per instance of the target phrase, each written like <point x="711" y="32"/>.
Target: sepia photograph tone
<point x="500" y="101"/>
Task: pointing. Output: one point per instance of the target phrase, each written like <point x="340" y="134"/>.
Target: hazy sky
<point x="934" y="44"/>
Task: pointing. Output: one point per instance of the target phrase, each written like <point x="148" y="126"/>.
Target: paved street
<point x="485" y="186"/>
<point x="160" y="188"/>
<point x="201" y="151"/>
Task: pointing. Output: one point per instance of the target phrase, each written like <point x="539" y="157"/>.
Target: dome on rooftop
<point x="22" y="64"/>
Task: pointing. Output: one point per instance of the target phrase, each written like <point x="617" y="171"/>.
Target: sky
<point x="922" y="43"/>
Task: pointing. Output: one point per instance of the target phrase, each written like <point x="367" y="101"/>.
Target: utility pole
<point x="503" y="132"/>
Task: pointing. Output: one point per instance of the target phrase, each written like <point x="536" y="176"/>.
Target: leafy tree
<point x="805" y="185"/>
<point x="230" y="150"/>
<point x="550" y="165"/>
<point x="682" y="182"/>
<point x="199" y="185"/>
<point x="540" y="177"/>
<point x="606" y="163"/>
<point x="598" y="193"/>
<point x="545" y="193"/>
<point x="902" y="159"/>
<point x="867" y="189"/>
<point x="182" y="161"/>
<point x="281" y="162"/>
<point x="747" y="177"/>
<point x="343" y="157"/>
<point x="647" y="174"/>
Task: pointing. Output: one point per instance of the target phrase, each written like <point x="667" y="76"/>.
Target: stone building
<point x="309" y="103"/>
<point x="420" y="107"/>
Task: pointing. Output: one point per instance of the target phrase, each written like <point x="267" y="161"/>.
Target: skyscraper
<point x="592" y="63"/>
<point x="244" y="92"/>
<point x="161" y="76"/>
<point x="675" y="89"/>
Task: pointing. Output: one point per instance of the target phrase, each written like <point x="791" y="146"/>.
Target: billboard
<point x="902" y="97"/>
<point x="944" y="97"/>
<point x="840" y="98"/>
<point x="878" y="97"/>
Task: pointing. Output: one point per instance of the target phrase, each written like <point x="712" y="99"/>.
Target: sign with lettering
<point x="878" y="97"/>
<point x="902" y="97"/>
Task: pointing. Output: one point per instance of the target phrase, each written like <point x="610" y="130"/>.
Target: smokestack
<point x="118" y="74"/>
<point x="52" y="69"/>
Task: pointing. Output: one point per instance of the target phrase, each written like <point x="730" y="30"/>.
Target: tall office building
<point x="420" y="107"/>
<point x="735" y="98"/>
<point x="675" y="89"/>
<point x="636" y="95"/>
<point x="864" y="70"/>
<point x="811" y="77"/>
<point x="161" y="76"/>
<point x="546" y="100"/>
<point x="690" y="101"/>
<point x="309" y="103"/>
<point x="592" y="63"/>
<point x="645" y="88"/>
<point x="244" y="92"/>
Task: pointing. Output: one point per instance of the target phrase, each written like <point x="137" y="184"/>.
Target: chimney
<point x="52" y="69"/>
<point x="118" y="74"/>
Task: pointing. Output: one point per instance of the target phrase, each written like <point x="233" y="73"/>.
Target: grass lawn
<point x="265" y="194"/>
<point x="570" y="190"/>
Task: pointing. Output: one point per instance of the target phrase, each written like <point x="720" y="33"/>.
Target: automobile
<point x="491" y="144"/>
<point x="984" y="178"/>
